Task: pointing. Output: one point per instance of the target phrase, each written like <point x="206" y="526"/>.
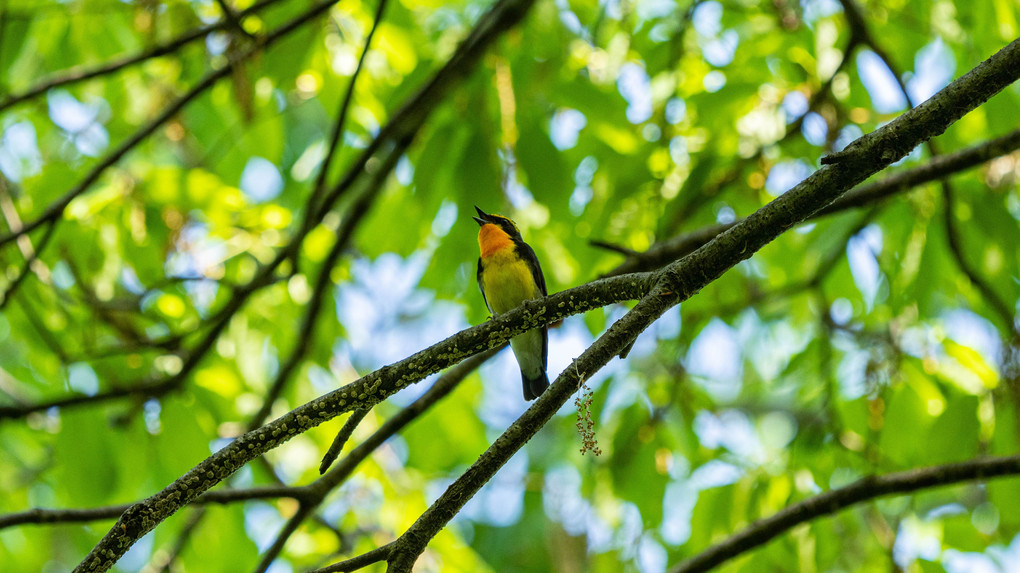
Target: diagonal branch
<point x="992" y="298"/>
<point x="833" y="501"/>
<point x="341" y="120"/>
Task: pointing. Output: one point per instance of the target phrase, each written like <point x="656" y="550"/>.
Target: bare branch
<point x="341" y="120"/>
<point x="83" y="515"/>
<point x="996" y="302"/>
<point x="836" y="500"/>
<point x="42" y="515"/>
<point x="26" y="267"/>
<point x="341" y="438"/>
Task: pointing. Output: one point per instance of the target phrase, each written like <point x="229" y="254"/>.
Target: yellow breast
<point x="507" y="280"/>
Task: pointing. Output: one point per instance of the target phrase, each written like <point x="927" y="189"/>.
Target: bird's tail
<point x="533" y="387"/>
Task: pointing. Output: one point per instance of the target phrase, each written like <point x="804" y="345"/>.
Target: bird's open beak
<point x="482" y="218"/>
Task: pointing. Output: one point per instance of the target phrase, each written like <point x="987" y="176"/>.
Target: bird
<point x="508" y="275"/>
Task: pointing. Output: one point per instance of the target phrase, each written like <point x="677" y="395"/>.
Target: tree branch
<point x="836" y="500"/>
<point x="26" y="267"/>
<point x="341" y="120"/>
<point x="364" y="560"/>
<point x="42" y="515"/>
<point x="341" y="438"/>
<point x="996" y="302"/>
<point x="82" y="515"/>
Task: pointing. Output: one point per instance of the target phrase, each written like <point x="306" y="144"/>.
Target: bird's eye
<point x="507" y="225"/>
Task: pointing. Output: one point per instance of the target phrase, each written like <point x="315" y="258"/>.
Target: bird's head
<point x="504" y="224"/>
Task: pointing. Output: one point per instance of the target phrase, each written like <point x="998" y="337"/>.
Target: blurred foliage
<point x="627" y="122"/>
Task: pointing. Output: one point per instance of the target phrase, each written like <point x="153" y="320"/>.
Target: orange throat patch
<point x="492" y="239"/>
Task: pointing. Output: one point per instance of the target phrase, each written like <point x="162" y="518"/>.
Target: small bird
<point x="508" y="275"/>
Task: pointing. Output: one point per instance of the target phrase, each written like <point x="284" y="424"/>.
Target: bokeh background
<point x="854" y="344"/>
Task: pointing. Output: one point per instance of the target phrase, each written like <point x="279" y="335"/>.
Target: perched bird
<point x="508" y="275"/>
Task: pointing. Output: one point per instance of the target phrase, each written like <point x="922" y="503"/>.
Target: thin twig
<point x="341" y="438"/>
<point x="341" y="121"/>
<point x="234" y="20"/>
<point x="376" y="555"/>
<point x="996" y="302"/>
<point x="190" y="526"/>
<point x="26" y="267"/>
<point x="613" y="247"/>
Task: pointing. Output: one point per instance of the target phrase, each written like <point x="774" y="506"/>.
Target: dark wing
<point x="528" y="254"/>
<point x="478" y="277"/>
